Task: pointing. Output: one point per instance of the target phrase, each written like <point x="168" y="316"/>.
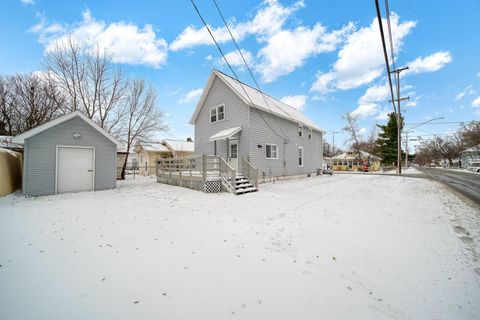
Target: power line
<point x="385" y="54"/>
<point x="248" y="67"/>
<point x="229" y="66"/>
<point x="443" y="122"/>
<point x="392" y="52"/>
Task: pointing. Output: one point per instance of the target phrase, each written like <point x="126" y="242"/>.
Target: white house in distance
<point x="236" y="122"/>
<point x="149" y="152"/>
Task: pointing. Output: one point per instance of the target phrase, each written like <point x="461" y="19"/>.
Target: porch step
<point x="246" y="190"/>
<point x="243" y="185"/>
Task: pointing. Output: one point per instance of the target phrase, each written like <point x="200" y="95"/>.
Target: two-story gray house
<point x="235" y="121"/>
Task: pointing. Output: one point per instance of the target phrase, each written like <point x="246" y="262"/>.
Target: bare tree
<point x="470" y="134"/>
<point x="353" y="130"/>
<point x="27" y="101"/>
<point x="92" y="83"/>
<point x="141" y="117"/>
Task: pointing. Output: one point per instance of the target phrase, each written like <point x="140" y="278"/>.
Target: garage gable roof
<point x="20" y="139"/>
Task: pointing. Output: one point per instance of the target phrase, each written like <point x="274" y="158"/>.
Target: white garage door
<point x="75" y="169"/>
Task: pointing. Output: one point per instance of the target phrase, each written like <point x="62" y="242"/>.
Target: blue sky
<point x="321" y="56"/>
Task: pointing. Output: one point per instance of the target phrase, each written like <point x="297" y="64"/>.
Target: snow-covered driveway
<point x="334" y="247"/>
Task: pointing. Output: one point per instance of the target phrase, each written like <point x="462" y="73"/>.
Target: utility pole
<point x="333" y="141"/>
<point x="399" y="119"/>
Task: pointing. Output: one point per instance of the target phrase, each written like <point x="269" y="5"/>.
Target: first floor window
<point x="300" y="156"/>
<point x="271" y="151"/>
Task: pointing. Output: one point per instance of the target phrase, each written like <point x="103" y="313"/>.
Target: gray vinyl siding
<point x="40" y="156"/>
<point x="236" y="114"/>
<point x="261" y="134"/>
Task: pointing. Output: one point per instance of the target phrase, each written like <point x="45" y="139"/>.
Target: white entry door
<point x="75" y="169"/>
<point x="233" y="154"/>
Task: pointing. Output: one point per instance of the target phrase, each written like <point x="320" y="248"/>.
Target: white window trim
<point x="300" y="130"/>
<point x="216" y="113"/>
<point x="303" y="157"/>
<point x="274" y="145"/>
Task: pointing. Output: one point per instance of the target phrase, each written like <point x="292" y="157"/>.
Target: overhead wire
<point x="246" y="65"/>
<point x="230" y="67"/>
<point x="385" y="54"/>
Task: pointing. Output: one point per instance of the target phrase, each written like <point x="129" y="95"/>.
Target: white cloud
<point x="476" y="102"/>
<point x="287" y="50"/>
<point x="366" y="110"/>
<point x="467" y="91"/>
<point x="361" y="59"/>
<point x="362" y="131"/>
<point x="383" y="114"/>
<point x="298" y="101"/>
<point x="191" y="96"/>
<point x="375" y="93"/>
<point x="28" y="2"/>
<point x="269" y="18"/>
<point x="126" y="42"/>
<point x="235" y="59"/>
<point x="431" y="63"/>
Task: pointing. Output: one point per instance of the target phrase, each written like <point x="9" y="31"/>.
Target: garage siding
<point x="40" y="156"/>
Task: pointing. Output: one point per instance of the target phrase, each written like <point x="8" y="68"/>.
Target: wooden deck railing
<point x="250" y="172"/>
<point x="204" y="172"/>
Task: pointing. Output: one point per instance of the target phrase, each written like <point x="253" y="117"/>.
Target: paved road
<point x="466" y="183"/>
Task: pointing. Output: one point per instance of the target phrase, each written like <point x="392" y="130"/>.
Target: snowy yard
<point x="333" y="247"/>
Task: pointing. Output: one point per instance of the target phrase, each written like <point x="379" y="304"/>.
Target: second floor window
<point x="217" y="113"/>
<point x="300" y="131"/>
<point x="310" y="134"/>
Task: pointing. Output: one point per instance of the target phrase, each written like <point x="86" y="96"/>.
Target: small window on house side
<point x="220" y="113"/>
<point x="213" y="114"/>
<point x="300" y="156"/>
<point x="300" y="131"/>
<point x="271" y="151"/>
<point x="217" y="113"/>
<point x="310" y="134"/>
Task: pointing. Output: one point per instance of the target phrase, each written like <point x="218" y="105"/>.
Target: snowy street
<point x="332" y="247"/>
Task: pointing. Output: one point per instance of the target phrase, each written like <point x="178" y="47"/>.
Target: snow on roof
<point x="273" y="106"/>
<point x="472" y="149"/>
<point x="224" y="134"/>
<point x="50" y="124"/>
<point x="179" y="145"/>
<point x="155" y="147"/>
<point x="351" y="155"/>
<point x="6" y="142"/>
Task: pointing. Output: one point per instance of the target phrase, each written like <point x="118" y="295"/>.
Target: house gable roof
<point x="273" y="106"/>
<point x="178" y="145"/>
<point x="20" y="139"/>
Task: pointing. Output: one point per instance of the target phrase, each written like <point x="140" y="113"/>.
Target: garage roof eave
<point x="20" y="139"/>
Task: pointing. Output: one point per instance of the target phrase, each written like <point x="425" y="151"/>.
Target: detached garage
<point x="68" y="154"/>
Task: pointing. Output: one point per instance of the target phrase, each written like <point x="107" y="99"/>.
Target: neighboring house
<point x="147" y="155"/>
<point x="232" y="120"/>
<point x="68" y="154"/>
<point x="350" y="160"/>
<point x="6" y="143"/>
<point x="179" y="148"/>
<point x="469" y="155"/>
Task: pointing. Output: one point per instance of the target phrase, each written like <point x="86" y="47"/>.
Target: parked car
<point x="474" y="166"/>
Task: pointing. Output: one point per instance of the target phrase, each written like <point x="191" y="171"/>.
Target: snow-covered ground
<point x="332" y="247"/>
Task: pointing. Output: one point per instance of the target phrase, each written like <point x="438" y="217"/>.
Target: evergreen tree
<point x="386" y="144"/>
